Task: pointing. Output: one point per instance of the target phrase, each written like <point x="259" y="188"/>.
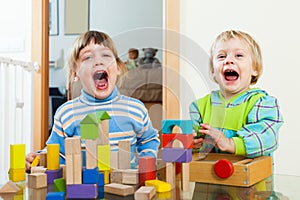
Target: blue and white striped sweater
<point x="129" y="121"/>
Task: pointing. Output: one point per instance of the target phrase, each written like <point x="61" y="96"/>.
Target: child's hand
<point x="219" y="139"/>
<point x="198" y="141"/>
<point x="29" y="158"/>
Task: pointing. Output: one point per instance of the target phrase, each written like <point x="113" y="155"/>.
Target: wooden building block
<point x="186" y="126"/>
<point x="59" y="185"/>
<point x="53" y="156"/>
<point x="90" y="176"/>
<point x="91" y="154"/>
<point x="43" y="159"/>
<point x="9" y="187"/>
<point x="145" y="193"/>
<point x="124" y="154"/>
<point x="130" y="176"/>
<point x="38" y="169"/>
<point x="77" y="168"/>
<point x="89" y="127"/>
<point x="37" y="180"/>
<point x="246" y="172"/>
<point x="119" y="189"/>
<point x="100" y="179"/>
<point x="185" y="177"/>
<point x="73" y="160"/>
<point x="116" y="176"/>
<point x="82" y="191"/>
<point x="114" y="160"/>
<point x="72" y="145"/>
<point x="104" y="157"/>
<point x="40" y="193"/>
<point x="103" y="133"/>
<point x="55" y="196"/>
<point x="35" y="162"/>
<point x="53" y="174"/>
<point x="170" y="174"/>
<point x="187" y="140"/>
<point x="17" y="156"/>
<point x="106" y="176"/>
<point x="160" y="186"/>
<point x="177" y="155"/>
<point x="147" y="164"/>
<point x="17" y="174"/>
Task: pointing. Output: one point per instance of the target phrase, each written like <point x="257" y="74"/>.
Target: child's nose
<point x="98" y="61"/>
<point x="229" y="60"/>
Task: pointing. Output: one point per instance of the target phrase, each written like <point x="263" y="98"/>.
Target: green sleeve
<point x="240" y="148"/>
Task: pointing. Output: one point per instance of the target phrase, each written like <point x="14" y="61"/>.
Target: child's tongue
<point x="231" y="78"/>
<point x="101" y="84"/>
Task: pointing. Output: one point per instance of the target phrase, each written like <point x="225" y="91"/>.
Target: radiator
<point x="16" y="106"/>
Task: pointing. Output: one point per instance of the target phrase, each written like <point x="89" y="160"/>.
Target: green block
<point x="59" y="185"/>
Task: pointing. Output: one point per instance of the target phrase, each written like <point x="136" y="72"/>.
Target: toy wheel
<point x="223" y="168"/>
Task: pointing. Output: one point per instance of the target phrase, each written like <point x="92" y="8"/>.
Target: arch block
<point x="185" y="125"/>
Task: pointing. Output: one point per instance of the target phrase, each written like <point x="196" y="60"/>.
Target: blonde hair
<point x="254" y="47"/>
<point x="85" y="39"/>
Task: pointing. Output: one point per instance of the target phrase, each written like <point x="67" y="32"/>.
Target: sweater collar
<point x="88" y="99"/>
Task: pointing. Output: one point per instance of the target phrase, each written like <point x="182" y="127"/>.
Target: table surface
<point x="283" y="187"/>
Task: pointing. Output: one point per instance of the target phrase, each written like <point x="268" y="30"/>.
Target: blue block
<point x="100" y="179"/>
<point x="90" y="176"/>
<point x="177" y="155"/>
<point x="185" y="125"/>
<point x="83" y="158"/>
<point x="55" y="196"/>
<point x="100" y="192"/>
<point x="53" y="174"/>
<point x="82" y="191"/>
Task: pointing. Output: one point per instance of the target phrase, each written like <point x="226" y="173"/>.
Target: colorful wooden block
<point x="18" y="174"/>
<point x="79" y="191"/>
<point x="53" y="156"/>
<point x="43" y="159"/>
<point x="100" y="179"/>
<point x="53" y="174"/>
<point x="186" y="126"/>
<point x="106" y="176"/>
<point x="17" y="156"/>
<point x="60" y="185"/>
<point x="177" y="155"/>
<point x="187" y="140"/>
<point x="104" y="157"/>
<point x="9" y="187"/>
<point x="160" y="186"/>
<point x="55" y="196"/>
<point x="147" y="164"/>
<point x="37" y="180"/>
<point x="90" y="176"/>
<point x="146" y="176"/>
<point x="119" y="189"/>
<point x="35" y="162"/>
<point x="145" y="193"/>
<point x="124" y="154"/>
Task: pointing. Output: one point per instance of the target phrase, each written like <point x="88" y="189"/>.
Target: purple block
<point x="53" y="174"/>
<point x="82" y="191"/>
<point x="177" y="155"/>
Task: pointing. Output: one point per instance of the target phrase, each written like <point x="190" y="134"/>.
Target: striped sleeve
<point x="260" y="134"/>
<point x="195" y="115"/>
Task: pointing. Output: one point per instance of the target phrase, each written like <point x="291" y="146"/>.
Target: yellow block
<point x="53" y="156"/>
<point x="17" y="156"/>
<point x="160" y="186"/>
<point x="35" y="162"/>
<point x="106" y="176"/>
<point x="104" y="157"/>
<point x="17" y="174"/>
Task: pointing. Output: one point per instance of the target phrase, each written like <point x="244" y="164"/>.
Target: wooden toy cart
<point x="228" y="169"/>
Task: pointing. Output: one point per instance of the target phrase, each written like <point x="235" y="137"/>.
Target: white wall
<point x="130" y="23"/>
<point x="274" y="25"/>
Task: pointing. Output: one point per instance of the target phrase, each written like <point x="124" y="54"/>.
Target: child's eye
<point x="239" y="55"/>
<point x="221" y="56"/>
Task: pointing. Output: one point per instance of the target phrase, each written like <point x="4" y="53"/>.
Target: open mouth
<point x="231" y="75"/>
<point x="101" y="79"/>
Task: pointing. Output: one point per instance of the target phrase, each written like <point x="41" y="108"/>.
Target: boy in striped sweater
<point x="95" y="62"/>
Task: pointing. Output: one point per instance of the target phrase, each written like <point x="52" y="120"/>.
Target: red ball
<point x="223" y="168"/>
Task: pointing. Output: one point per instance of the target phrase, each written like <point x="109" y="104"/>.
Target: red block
<point x="146" y="176"/>
<point x="147" y="164"/>
<point x="187" y="140"/>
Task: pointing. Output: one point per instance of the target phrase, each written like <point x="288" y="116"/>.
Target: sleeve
<point x="195" y="116"/>
<point x="57" y="137"/>
<point x="147" y="139"/>
<point x="260" y="134"/>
